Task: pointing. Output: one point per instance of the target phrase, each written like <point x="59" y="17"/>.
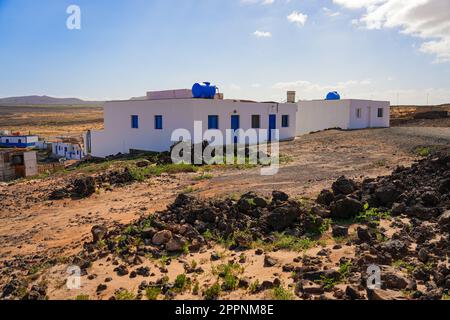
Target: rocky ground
<point x="229" y="236"/>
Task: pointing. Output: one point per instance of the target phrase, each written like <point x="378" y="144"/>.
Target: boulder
<point x="175" y="244"/>
<point x="270" y="261"/>
<point x="430" y="199"/>
<point x="343" y="186"/>
<point x="279" y="196"/>
<point x="162" y="237"/>
<point x="394" y="280"/>
<point x="282" y="217"/>
<point x="364" y="234"/>
<point x="346" y="208"/>
<point x="340" y="231"/>
<point x="386" y="195"/>
<point x="143" y="164"/>
<point x="379" y="294"/>
<point x="325" y="197"/>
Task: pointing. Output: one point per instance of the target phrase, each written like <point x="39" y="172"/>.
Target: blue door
<point x="272" y="124"/>
<point x="235" y="126"/>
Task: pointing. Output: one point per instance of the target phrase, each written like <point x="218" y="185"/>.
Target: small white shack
<point x="68" y="150"/>
<point x="148" y="125"/>
<point x="346" y="114"/>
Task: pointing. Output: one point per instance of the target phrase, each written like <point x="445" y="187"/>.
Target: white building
<point x="70" y="151"/>
<point x="148" y="124"/>
<point x="18" y="141"/>
<point x="348" y="114"/>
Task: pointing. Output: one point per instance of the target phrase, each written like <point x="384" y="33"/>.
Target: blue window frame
<point x="285" y="121"/>
<point x="158" y="122"/>
<point x="134" y="122"/>
<point x="213" y="122"/>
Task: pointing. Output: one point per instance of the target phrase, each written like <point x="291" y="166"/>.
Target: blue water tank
<point x="204" y="90"/>
<point x="333" y="96"/>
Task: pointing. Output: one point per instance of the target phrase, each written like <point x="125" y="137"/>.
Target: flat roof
<point x="316" y="100"/>
<point x="200" y="99"/>
<point x="18" y="136"/>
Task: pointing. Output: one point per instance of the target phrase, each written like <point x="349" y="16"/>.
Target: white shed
<point x="348" y="114"/>
<point x="148" y="124"/>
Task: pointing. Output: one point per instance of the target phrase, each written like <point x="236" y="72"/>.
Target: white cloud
<point x="256" y="85"/>
<point x="330" y="12"/>
<point x="298" y="18"/>
<point x="426" y="19"/>
<point x="262" y="2"/>
<point x="262" y="34"/>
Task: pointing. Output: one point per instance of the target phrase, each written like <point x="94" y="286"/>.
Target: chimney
<point x="291" y="97"/>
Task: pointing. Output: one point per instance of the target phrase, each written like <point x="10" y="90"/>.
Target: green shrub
<point x="180" y="282"/>
<point x="213" y="292"/>
<point x="280" y="293"/>
<point x="152" y="293"/>
<point x="124" y="295"/>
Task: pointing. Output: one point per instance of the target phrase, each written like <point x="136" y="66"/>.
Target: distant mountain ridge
<point x="45" y="100"/>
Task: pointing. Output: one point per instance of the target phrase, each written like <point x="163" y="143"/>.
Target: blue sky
<point x="253" y="49"/>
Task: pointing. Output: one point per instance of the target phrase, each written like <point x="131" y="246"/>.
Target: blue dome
<point x="333" y="96"/>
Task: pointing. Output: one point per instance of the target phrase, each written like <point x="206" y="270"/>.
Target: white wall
<point x="369" y="114"/>
<point x="69" y="151"/>
<point x="318" y="115"/>
<point x="30" y="162"/>
<point x="118" y="136"/>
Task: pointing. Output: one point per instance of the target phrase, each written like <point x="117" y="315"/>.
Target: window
<point x="213" y="122"/>
<point x="20" y="141"/>
<point x="7" y="140"/>
<point x="158" y="122"/>
<point x="358" y="113"/>
<point x="256" y="121"/>
<point x="380" y="112"/>
<point x="134" y="122"/>
<point x="285" y="121"/>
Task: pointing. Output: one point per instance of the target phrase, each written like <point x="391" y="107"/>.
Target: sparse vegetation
<point x="280" y="293"/>
<point x="181" y="282"/>
<point x="288" y="242"/>
<point x="328" y="283"/>
<point x="403" y="265"/>
<point x="423" y="151"/>
<point x="254" y="287"/>
<point x="82" y="297"/>
<point x="152" y="293"/>
<point x="213" y="292"/>
<point x="344" y="269"/>
<point x="124" y="295"/>
<point x="196" y="287"/>
<point x="372" y="214"/>
<point x="205" y="176"/>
